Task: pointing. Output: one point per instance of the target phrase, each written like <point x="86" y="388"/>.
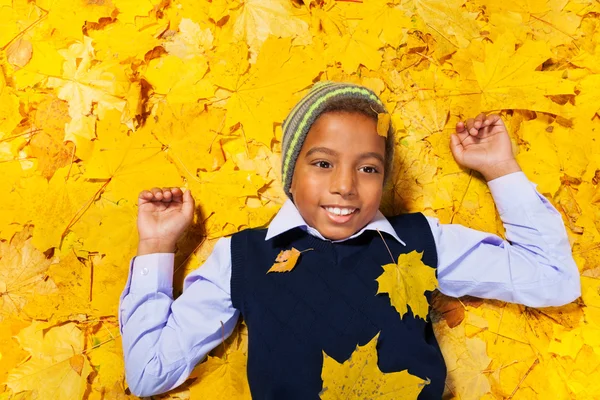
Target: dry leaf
<point x="56" y="359"/>
<point x="383" y="124"/>
<point x="286" y="260"/>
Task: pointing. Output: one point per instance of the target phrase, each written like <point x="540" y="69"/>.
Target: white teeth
<point x="340" y="211"/>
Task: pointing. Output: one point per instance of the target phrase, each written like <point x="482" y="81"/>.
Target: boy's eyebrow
<point x="372" y="154"/>
<point x="325" y="150"/>
<point x="333" y="153"/>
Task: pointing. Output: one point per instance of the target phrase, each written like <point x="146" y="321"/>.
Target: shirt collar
<point x="289" y="218"/>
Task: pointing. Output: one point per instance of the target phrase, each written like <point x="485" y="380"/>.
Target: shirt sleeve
<point x="164" y="339"/>
<point x="534" y="266"/>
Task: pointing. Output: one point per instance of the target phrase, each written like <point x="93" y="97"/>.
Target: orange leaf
<point x="383" y="124"/>
<point x="286" y="260"/>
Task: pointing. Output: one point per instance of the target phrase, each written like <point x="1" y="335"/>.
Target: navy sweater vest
<point x="328" y="302"/>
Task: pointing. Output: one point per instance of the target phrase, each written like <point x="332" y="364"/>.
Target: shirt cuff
<point x="152" y="273"/>
<point x="513" y="191"/>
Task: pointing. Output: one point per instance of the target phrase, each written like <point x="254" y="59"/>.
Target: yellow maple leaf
<point x="190" y="41"/>
<point x="11" y="353"/>
<point x="193" y="136"/>
<point x="467" y="362"/>
<point x="46" y="61"/>
<point x="508" y="78"/>
<point x="130" y="9"/>
<point x="85" y="82"/>
<point x="66" y="18"/>
<point x="359" y="47"/>
<point x="56" y="360"/>
<point x="552" y="153"/>
<point x="47" y="145"/>
<point x="548" y="21"/>
<point x="221" y="378"/>
<point x="406" y="283"/>
<point x="23" y="276"/>
<point x="65" y="198"/>
<point x="359" y="377"/>
<point x="9" y="111"/>
<point x="132" y="43"/>
<point x="127" y="164"/>
<point x="390" y="18"/>
<point x="223" y="195"/>
<point x="179" y="80"/>
<point x="449" y="20"/>
<point x="258" y="19"/>
<point x="257" y="102"/>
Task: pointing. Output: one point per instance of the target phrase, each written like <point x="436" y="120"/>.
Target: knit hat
<point x="305" y="113"/>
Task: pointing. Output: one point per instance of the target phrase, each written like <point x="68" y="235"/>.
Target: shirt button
<point x="144" y="271"/>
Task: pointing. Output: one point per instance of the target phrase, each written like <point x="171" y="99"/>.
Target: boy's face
<point x="338" y="178"/>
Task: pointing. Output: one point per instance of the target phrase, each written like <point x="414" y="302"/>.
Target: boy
<point x="334" y="164"/>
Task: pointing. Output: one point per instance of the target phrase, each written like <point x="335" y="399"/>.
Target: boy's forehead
<point x="344" y="133"/>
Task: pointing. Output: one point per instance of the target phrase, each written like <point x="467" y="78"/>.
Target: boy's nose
<point x="343" y="183"/>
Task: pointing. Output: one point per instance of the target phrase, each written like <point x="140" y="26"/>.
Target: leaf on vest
<point x="359" y="377"/>
<point x="406" y="283"/>
<point x="286" y="260"/>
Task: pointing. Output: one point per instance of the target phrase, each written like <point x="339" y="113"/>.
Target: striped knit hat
<point x="305" y="113"/>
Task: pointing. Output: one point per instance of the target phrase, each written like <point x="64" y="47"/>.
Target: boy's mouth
<point x="340" y="215"/>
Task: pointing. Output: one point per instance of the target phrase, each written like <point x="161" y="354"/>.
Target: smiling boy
<point x="334" y="166"/>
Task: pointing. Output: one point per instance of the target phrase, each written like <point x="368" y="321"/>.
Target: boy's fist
<point x="483" y="144"/>
<point x="163" y="216"/>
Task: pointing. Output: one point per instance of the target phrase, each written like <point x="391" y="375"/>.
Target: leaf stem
<point x="386" y="246"/>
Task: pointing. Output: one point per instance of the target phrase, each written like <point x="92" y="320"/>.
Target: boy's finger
<point x="493" y="119"/>
<point x="188" y="203"/>
<point x="460" y="127"/>
<point x="157" y="193"/>
<point x="470" y="126"/>
<point x="167" y="195"/>
<point x="479" y="121"/>
<point x="177" y="194"/>
<point x="145" y="194"/>
<point x="456" y="147"/>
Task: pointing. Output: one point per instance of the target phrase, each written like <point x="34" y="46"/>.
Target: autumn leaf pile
<point x="102" y="98"/>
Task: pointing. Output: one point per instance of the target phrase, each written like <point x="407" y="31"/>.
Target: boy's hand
<point x="163" y="216"/>
<point x="483" y="144"/>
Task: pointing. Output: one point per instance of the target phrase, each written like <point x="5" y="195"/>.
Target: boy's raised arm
<point x="163" y="340"/>
<point x="534" y="266"/>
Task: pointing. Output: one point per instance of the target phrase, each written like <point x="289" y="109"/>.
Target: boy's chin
<point x="336" y="233"/>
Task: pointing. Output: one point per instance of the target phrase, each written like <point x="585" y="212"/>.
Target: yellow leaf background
<point x="100" y="99"/>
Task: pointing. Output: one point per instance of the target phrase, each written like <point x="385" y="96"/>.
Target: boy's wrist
<point x="500" y="169"/>
<point x="149" y="246"/>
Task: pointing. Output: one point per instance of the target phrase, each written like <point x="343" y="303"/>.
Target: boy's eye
<point x="369" y="170"/>
<point x="322" y="164"/>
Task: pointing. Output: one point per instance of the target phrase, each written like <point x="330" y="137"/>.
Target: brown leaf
<point x="448" y="308"/>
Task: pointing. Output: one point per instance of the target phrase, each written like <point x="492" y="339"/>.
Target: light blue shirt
<point x="163" y="339"/>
